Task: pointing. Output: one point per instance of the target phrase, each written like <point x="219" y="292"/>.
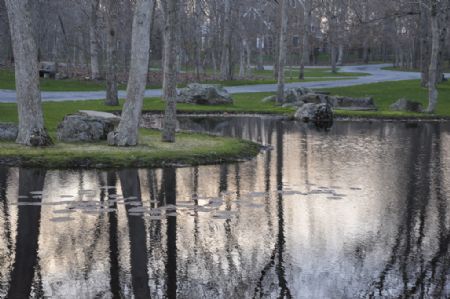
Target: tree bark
<point x="282" y="49"/>
<point x="340" y="59"/>
<point x="170" y="71"/>
<point x="225" y="65"/>
<point x="31" y="119"/>
<point x="424" y="45"/>
<point x="306" y="35"/>
<point x="112" y="14"/>
<point x="93" y="51"/>
<point x="434" y="57"/>
<point x="127" y="132"/>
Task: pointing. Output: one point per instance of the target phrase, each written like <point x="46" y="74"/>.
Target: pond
<point x="359" y="211"/>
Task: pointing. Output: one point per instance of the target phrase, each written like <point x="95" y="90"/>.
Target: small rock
<point x="407" y="105"/>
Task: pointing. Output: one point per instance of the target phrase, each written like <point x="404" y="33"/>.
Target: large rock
<point x="8" y="131"/>
<point x="204" y="94"/>
<point x="319" y="114"/>
<point x="407" y="105"/>
<point x="85" y="128"/>
<point x="347" y="103"/>
<point x="101" y="115"/>
<point x="293" y="95"/>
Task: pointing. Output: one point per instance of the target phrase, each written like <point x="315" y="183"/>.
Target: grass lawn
<point x="313" y="75"/>
<point x="189" y="149"/>
<point x="387" y="93"/>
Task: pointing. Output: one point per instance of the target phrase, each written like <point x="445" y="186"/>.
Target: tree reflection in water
<point x="275" y="245"/>
<point x="26" y="265"/>
<point x="422" y="273"/>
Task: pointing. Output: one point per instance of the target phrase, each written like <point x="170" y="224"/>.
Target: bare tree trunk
<point x="31" y="120"/>
<point x="128" y="130"/>
<point x="260" y="44"/>
<point x="225" y="65"/>
<point x="112" y="12"/>
<point x="282" y="49"/>
<point x="198" y="39"/>
<point x="170" y="71"/>
<point x="433" y="69"/>
<point x="424" y="45"/>
<point x="340" y="59"/>
<point x="95" y="69"/>
<point x="306" y="35"/>
<point x="333" y="58"/>
<point x="242" y="59"/>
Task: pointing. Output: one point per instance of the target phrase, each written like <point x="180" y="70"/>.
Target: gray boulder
<point x="204" y="94"/>
<point x="347" y="103"/>
<point x="407" y="105"/>
<point x="319" y="114"/>
<point x="8" y="131"/>
<point x="314" y="98"/>
<point x="292" y="95"/>
<point x="84" y="128"/>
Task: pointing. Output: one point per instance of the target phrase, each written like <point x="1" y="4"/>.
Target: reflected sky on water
<point x="360" y="211"/>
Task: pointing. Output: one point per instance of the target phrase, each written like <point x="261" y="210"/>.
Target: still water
<point x="361" y="211"/>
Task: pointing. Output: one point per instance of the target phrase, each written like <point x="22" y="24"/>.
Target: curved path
<point x="377" y="74"/>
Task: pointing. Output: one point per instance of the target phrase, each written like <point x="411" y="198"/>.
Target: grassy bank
<point x="387" y="93"/>
<point x="190" y="149"/>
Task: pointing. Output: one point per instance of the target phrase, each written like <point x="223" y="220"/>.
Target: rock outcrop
<point x="204" y="94"/>
<point x="321" y="115"/>
<point x="86" y="126"/>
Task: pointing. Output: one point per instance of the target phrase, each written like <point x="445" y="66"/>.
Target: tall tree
<point x="307" y="11"/>
<point x="31" y="119"/>
<point x="93" y="40"/>
<point x="170" y="71"/>
<point x="128" y="130"/>
<point x="225" y="65"/>
<point x="433" y="68"/>
<point x="282" y="48"/>
<point x="112" y="16"/>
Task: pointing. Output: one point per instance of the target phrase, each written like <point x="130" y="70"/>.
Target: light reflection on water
<point x="360" y="211"/>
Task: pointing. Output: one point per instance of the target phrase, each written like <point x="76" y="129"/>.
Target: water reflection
<point x="360" y="211"/>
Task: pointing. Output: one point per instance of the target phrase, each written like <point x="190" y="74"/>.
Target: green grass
<point x="7" y="82"/>
<point x="265" y="77"/>
<point x="387" y="93"/>
<point x="189" y="149"/>
<point x="55" y="111"/>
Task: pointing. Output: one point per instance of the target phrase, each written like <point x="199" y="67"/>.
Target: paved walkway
<point x="375" y="71"/>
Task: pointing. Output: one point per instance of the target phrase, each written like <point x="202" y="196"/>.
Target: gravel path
<point x="375" y="71"/>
